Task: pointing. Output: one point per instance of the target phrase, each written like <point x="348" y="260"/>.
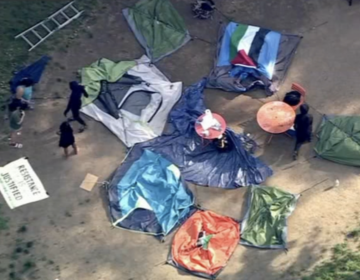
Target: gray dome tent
<point x="131" y="98"/>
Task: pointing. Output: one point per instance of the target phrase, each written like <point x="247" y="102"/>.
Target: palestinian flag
<point x="250" y="56"/>
<point x="252" y="46"/>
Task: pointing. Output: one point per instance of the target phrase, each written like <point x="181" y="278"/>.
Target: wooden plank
<point x="89" y="182"/>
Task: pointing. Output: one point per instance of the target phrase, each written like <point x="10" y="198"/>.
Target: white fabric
<point x="19" y="184"/>
<point x="127" y="128"/>
<point x="247" y="39"/>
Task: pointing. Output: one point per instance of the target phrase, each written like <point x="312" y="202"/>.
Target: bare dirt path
<point x="71" y="234"/>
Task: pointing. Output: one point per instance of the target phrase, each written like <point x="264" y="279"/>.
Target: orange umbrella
<point x="276" y="117"/>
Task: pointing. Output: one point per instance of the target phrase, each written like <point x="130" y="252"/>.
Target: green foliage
<point x="344" y="265"/>
<point x="354" y="234"/>
<point x="3" y="221"/>
<point x="28" y="265"/>
<point x="22" y="229"/>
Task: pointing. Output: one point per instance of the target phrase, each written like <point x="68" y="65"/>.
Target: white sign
<point x="19" y="184"/>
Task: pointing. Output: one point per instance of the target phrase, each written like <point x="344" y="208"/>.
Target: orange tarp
<point x="225" y="235"/>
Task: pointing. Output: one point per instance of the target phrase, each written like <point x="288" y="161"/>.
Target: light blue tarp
<point x="202" y="164"/>
<point x="153" y="184"/>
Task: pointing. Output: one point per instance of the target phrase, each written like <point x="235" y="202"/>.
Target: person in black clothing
<point x="292" y="98"/>
<point x="75" y="103"/>
<point x="67" y="138"/>
<point x="303" y="127"/>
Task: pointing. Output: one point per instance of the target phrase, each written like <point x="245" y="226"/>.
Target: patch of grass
<point x="3" y="270"/>
<point x="3" y="221"/>
<point x="344" y="265"/>
<point x="28" y="265"/>
<point x="354" y="234"/>
<point x="18" y="250"/>
<point x="19" y="15"/>
<point x="22" y="229"/>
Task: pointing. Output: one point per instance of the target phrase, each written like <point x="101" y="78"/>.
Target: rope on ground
<point x="221" y="13"/>
<point x="313" y="186"/>
<point x="299" y="162"/>
<point x="314" y="27"/>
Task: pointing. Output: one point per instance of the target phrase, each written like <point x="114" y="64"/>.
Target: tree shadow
<point x="275" y="264"/>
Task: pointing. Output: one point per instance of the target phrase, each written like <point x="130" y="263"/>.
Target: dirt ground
<point x="72" y="236"/>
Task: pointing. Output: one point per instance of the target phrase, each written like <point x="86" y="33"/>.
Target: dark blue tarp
<point x="33" y="71"/>
<point x="202" y="164"/>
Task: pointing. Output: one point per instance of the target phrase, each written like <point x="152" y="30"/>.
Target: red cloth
<point x="243" y="59"/>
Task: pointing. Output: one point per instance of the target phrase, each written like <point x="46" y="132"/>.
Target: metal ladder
<point x="41" y="31"/>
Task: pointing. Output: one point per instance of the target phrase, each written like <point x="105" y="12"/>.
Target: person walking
<point x="75" y="103"/>
<point x="16" y="120"/>
<point x="67" y="138"/>
<point x="22" y="97"/>
<point x="303" y="128"/>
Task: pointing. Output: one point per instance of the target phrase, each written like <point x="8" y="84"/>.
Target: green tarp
<point x="157" y="26"/>
<point x="339" y="140"/>
<point x="102" y="69"/>
<point x="265" y="223"/>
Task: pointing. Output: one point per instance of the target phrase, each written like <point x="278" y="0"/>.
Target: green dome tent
<point x="158" y="27"/>
<point x="339" y="139"/>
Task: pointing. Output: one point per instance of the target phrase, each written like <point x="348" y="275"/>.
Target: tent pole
<point x="203" y="40"/>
